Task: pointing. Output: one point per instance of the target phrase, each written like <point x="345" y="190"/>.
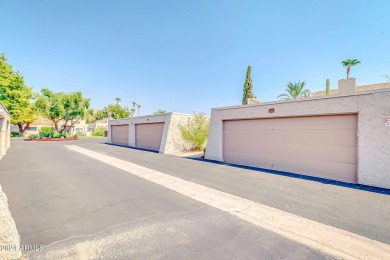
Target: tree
<point x="350" y="63"/>
<point x="388" y="77"/>
<point x="248" y="93"/>
<point x="16" y="96"/>
<point x="116" y="111"/>
<point x="159" y="112"/>
<point x="89" y="116"/>
<point x="60" y="107"/>
<point x="136" y="105"/>
<point x="117" y="100"/>
<point x="327" y="87"/>
<point x="93" y="115"/>
<point x="295" y="90"/>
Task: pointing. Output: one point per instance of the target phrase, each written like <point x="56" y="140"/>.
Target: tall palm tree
<point x="295" y="90"/>
<point x="117" y="100"/>
<point x="349" y="63"/>
<point x="138" y="105"/>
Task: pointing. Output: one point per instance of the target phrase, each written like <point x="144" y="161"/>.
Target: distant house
<point x="35" y="126"/>
<point x="96" y="124"/>
<point x="358" y="89"/>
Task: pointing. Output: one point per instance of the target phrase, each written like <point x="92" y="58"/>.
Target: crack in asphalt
<point x="125" y="223"/>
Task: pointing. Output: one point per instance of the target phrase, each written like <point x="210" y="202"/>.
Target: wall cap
<point x="360" y="93"/>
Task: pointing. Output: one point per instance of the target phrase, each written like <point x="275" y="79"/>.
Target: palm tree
<point x="349" y="63"/>
<point x="117" y="100"/>
<point x="90" y="115"/>
<point x="295" y="90"/>
<point x="138" y="105"/>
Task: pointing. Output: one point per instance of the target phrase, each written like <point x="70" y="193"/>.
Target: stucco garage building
<point x="4" y="130"/>
<point x="155" y="132"/>
<point x="342" y="137"/>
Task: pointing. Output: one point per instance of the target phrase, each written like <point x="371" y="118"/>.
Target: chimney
<point x="347" y="86"/>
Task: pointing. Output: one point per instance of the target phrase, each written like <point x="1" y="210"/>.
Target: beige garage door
<point x="148" y="136"/>
<point x="322" y="146"/>
<point x="120" y="134"/>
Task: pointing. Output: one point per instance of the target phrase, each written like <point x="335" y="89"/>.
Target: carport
<point x="340" y="137"/>
<point x="153" y="132"/>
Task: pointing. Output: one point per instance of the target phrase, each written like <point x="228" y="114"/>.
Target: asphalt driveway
<point x="60" y="199"/>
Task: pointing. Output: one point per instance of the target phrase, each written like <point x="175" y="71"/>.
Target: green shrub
<point x="56" y="135"/>
<point x="33" y="136"/>
<point x="14" y="134"/>
<point x="195" y="131"/>
<point x="98" y="131"/>
<point x="46" y="132"/>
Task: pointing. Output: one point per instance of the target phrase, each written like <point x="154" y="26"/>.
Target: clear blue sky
<point x="189" y="56"/>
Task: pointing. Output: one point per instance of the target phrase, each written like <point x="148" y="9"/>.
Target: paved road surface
<point x="75" y="205"/>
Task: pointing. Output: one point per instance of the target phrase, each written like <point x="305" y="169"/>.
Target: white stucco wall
<point x="2" y="137"/>
<point x="5" y="127"/>
<point x="372" y="108"/>
<point x="171" y="142"/>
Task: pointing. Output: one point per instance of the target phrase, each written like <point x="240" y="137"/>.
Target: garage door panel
<point x="295" y="136"/>
<point x="120" y="134"/>
<point x="148" y="136"/>
<point x="324" y="122"/>
<point x="295" y="145"/>
<point x="279" y="150"/>
<point x="330" y="170"/>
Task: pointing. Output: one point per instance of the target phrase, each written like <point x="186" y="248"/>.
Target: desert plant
<point x="195" y="131"/>
<point x="295" y="90"/>
<point x="14" y="134"/>
<point x="98" y="131"/>
<point x="350" y="63"/>
<point x="327" y="87"/>
<point x="159" y="112"/>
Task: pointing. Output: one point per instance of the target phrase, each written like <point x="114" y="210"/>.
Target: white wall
<point x="5" y="127"/>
